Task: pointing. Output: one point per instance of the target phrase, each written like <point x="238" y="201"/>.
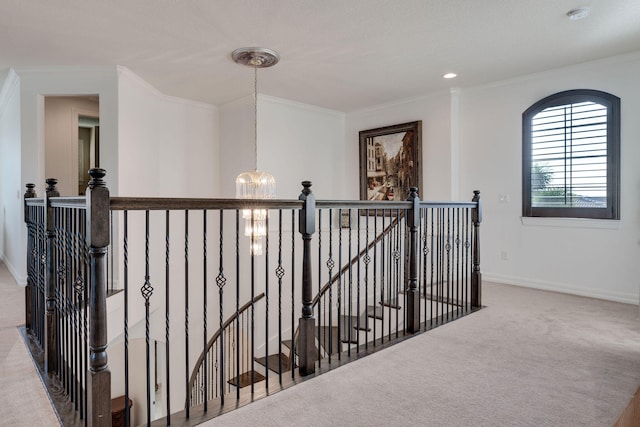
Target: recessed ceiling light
<point x="450" y="75"/>
<point x="578" y="13"/>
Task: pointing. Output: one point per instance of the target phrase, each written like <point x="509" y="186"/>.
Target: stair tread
<point x="375" y="312"/>
<point x="391" y="303"/>
<point x="245" y="379"/>
<point x="330" y="336"/>
<point x="348" y="335"/>
<point x="274" y="362"/>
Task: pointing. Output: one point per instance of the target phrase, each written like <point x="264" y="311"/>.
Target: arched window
<point x="571" y="156"/>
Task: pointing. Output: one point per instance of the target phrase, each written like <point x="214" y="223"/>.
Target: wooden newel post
<point x="413" y="293"/>
<point x="50" y="279"/>
<point x="28" y="321"/>
<point x="476" y="276"/>
<point x="99" y="376"/>
<point x="306" y="337"/>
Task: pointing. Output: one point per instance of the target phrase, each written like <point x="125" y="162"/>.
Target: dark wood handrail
<point x="215" y="336"/>
<point x="157" y="203"/>
<point x="161" y="203"/>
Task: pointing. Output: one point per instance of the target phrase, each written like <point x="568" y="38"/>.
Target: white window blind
<point x="569" y="156"/>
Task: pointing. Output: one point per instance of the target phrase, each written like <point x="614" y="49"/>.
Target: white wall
<point x="585" y="257"/>
<point x="23" y="139"/>
<point x="296" y="142"/>
<point x="11" y="220"/>
<point x="168" y="147"/>
<point x="61" y="143"/>
<point x="236" y="143"/>
<point x="437" y="147"/>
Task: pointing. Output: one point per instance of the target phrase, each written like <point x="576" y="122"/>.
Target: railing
<point x="201" y="320"/>
<point x="208" y="379"/>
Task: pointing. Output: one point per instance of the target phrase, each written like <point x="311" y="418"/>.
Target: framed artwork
<point x="390" y="161"/>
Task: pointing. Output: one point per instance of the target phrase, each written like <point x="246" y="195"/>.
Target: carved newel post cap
<point x="476" y="192"/>
<point x="31" y="192"/>
<point x="413" y="192"/>
<point x="96" y="178"/>
<point x="51" y="184"/>
<point x="307" y="187"/>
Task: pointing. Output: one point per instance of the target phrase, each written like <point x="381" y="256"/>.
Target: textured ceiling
<point x="340" y="54"/>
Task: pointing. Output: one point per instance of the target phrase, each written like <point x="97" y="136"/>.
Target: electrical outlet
<point x="504" y="255"/>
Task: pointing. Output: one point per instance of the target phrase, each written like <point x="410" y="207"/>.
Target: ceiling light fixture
<point x="450" y="75"/>
<point x="255" y="184"/>
<point x="578" y="13"/>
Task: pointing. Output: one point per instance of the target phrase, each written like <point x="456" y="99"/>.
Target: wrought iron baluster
<point x="125" y="254"/>
<point x="326" y="340"/>
<point x="330" y="265"/>
<point x="204" y="307"/>
<point x="350" y="283"/>
<point x="237" y="342"/>
<point x="375" y="278"/>
<point x="358" y="282"/>
<point x="294" y="336"/>
<point x="341" y="325"/>
<point x="221" y="281"/>
<point x="186" y="309"/>
<point x="147" y="290"/>
<point x="266" y="291"/>
<point x="280" y="274"/>
<point x="167" y="307"/>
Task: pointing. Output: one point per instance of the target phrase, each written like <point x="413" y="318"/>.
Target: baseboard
<point x="561" y="287"/>
<point x="19" y="278"/>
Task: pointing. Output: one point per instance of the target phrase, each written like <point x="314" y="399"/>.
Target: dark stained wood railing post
<point x="50" y="280"/>
<point x="476" y="276"/>
<point x="306" y="337"/>
<point x="28" y="321"/>
<point x="99" y="376"/>
<point x="413" y="293"/>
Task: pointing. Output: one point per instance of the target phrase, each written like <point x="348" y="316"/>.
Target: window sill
<point x="610" y="224"/>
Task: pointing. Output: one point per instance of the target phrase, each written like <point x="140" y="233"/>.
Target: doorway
<point x="88" y="149"/>
<point x="72" y="141"/>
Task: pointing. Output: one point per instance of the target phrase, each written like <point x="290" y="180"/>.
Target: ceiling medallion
<point x="258" y="57"/>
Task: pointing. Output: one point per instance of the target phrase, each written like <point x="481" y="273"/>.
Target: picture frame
<point x="390" y="161"/>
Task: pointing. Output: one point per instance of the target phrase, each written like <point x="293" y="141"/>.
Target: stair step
<point x="274" y="362"/>
<point x="330" y="336"/>
<point x="375" y="312"/>
<point x="349" y="334"/>
<point x="288" y="344"/>
<point x="363" y="325"/>
<point x="244" y="380"/>
<point x="392" y="302"/>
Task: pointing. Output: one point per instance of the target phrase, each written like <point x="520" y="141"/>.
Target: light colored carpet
<point x="531" y="358"/>
<point x="23" y="400"/>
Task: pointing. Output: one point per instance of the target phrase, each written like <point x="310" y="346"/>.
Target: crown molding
<point x="611" y="60"/>
<point x="300" y="105"/>
<point x="404" y="101"/>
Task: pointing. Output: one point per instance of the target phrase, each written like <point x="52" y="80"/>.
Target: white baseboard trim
<point x="19" y="278"/>
<point x="561" y="287"/>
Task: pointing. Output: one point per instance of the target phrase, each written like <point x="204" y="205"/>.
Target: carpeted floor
<point x="531" y="358"/>
<point x="23" y="400"/>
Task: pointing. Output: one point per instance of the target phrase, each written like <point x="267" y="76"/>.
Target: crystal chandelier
<point x="255" y="184"/>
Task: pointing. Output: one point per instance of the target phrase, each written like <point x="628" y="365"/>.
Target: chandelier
<point x="255" y="184"/>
